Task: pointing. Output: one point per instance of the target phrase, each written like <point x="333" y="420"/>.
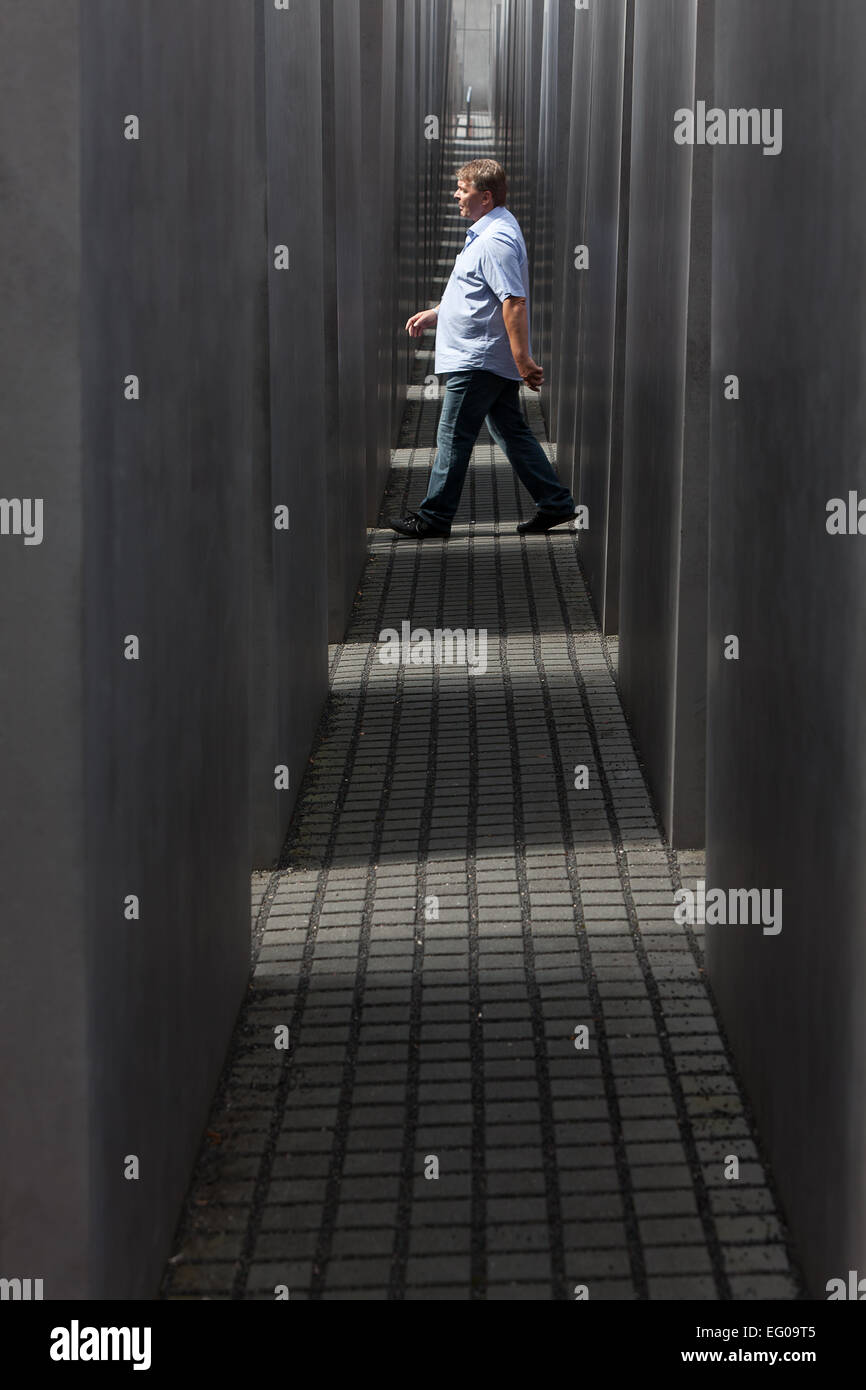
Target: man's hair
<point x="487" y="176"/>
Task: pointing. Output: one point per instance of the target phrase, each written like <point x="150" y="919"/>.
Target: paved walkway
<point x="453" y="911"/>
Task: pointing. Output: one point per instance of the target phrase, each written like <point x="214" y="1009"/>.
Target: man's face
<point x="473" y="204"/>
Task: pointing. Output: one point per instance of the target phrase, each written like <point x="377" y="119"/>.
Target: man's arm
<point x="517" y="328"/>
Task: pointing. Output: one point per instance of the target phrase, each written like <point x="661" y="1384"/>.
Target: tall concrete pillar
<point x="412" y="296"/>
<point x="663" y="596"/>
<point x="540" y="288"/>
<point x="131" y="249"/>
<point x="571" y="281"/>
<point x="603" y="323"/>
<point x="378" y="195"/>
<point x="389" y="324"/>
<point x="786" y="756"/>
<point x="550" y="300"/>
<point x="534" y="32"/>
<point x="288" y="611"/>
<point x="45" y="1155"/>
<point x="345" y="440"/>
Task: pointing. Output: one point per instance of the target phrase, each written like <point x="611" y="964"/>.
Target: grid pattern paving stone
<point x="449" y="912"/>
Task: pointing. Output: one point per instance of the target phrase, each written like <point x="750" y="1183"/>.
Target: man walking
<point x="482" y="343"/>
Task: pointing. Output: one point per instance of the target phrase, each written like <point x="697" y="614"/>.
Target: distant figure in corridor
<point x="482" y="343"/>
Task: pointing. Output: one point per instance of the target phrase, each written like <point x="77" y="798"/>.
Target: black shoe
<point x="544" y="521"/>
<point x="416" y="528"/>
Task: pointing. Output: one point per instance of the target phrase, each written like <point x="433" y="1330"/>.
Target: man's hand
<point x="532" y="374"/>
<point x="517" y="328"/>
<point x="418" y="322"/>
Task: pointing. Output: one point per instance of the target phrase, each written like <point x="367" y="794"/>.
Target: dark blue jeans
<point x="471" y="397"/>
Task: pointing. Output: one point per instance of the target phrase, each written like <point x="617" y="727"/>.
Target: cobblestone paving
<point x="452" y="910"/>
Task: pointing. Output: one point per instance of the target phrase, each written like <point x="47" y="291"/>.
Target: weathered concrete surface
<point x="44" y="1156"/>
<point x="602" y="348"/>
<point x="172" y="283"/>
<point x="786" y="751"/>
<point x="551" y="240"/>
<point x="345" y="251"/>
<point x="288" y="617"/>
<point x="131" y="776"/>
<point x="666" y="415"/>
<point x="572" y="285"/>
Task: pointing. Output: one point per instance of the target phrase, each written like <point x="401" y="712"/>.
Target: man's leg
<point x="510" y="429"/>
<point x="468" y="399"/>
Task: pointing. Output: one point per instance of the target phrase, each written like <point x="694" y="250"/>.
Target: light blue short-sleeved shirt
<point x="492" y="267"/>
